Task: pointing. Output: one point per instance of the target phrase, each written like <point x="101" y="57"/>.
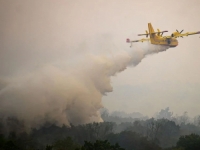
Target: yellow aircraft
<point x="157" y="38"/>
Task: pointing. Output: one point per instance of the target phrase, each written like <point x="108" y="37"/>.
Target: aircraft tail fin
<point x="151" y="33"/>
<point x="151" y="30"/>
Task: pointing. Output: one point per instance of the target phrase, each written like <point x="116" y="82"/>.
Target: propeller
<point x="180" y="32"/>
<point x="162" y="32"/>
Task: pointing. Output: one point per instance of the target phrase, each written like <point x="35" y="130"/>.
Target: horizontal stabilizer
<point x="141" y="40"/>
<point x="135" y="41"/>
<point x="128" y="41"/>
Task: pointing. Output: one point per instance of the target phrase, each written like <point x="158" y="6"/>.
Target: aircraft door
<point x="168" y="41"/>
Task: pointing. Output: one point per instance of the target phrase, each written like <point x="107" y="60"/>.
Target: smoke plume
<point x="64" y="93"/>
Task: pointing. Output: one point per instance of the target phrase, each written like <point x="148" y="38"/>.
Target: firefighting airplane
<point x="157" y="38"/>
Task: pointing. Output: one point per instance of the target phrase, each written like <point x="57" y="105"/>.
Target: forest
<point x="119" y="131"/>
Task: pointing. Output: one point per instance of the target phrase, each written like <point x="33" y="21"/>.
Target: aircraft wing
<point x="167" y="37"/>
<point x="143" y="40"/>
<point x="152" y="33"/>
<point x="186" y="34"/>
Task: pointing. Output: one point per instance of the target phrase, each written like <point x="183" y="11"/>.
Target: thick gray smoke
<point x="62" y="93"/>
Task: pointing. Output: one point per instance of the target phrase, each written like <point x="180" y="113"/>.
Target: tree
<point x="100" y="145"/>
<point x="184" y="119"/>
<point x="2" y="141"/>
<point x="169" y="133"/>
<point x="197" y="120"/>
<point x="132" y="141"/>
<point x="153" y="129"/>
<point x="65" y="144"/>
<point x="137" y="127"/>
<point x="49" y="147"/>
<point x="189" y="142"/>
<point x="164" y="113"/>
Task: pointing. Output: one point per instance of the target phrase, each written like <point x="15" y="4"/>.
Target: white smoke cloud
<point x="63" y="94"/>
<point x="45" y="32"/>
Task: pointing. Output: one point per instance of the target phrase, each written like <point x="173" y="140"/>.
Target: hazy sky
<point x="34" y="33"/>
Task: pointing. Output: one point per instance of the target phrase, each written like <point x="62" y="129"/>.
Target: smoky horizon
<point x="62" y="61"/>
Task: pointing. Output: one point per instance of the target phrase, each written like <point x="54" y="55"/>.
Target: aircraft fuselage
<point x="172" y="42"/>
